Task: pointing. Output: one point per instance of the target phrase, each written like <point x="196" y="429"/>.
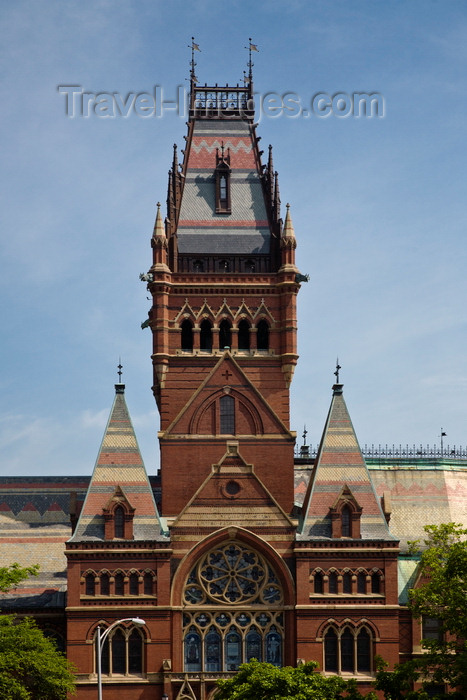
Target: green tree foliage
<point x="10" y="576"/>
<point x="31" y="666"/>
<point x="261" y="681"/>
<point x="442" y="594"/>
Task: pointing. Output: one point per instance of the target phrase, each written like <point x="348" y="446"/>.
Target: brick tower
<point x="223" y="319"/>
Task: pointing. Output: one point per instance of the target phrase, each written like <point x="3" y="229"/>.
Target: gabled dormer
<point x="118" y="517"/>
<point x="345" y="515"/>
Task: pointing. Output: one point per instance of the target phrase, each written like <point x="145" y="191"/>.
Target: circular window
<point x="232" y="488"/>
<point x="232" y="574"/>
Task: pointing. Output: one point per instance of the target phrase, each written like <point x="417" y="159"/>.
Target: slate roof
<point x="119" y="464"/>
<point x="34" y="526"/>
<point x="422" y="492"/>
<point x="340" y="463"/>
<point x="246" y="229"/>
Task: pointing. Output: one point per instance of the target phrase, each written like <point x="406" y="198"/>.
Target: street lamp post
<point x="100" y="645"/>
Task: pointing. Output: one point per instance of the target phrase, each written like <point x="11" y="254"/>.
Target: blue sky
<point x="379" y="209"/>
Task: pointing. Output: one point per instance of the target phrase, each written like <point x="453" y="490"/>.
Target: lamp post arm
<point x="100" y="645"/>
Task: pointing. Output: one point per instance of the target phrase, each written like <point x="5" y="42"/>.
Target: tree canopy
<point x="31" y="666"/>
<point x="10" y="576"/>
<point x="441" y="596"/>
<point x="262" y="681"/>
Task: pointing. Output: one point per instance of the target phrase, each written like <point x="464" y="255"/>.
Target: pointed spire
<point x="277" y="198"/>
<point x="341" y="474"/>
<point x="119" y="467"/>
<point x="270" y="176"/>
<point x="170" y="197"/>
<point x="289" y="231"/>
<point x="159" y="231"/>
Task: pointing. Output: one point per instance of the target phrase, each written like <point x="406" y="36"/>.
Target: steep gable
<point x="232" y="495"/>
<point x="256" y="416"/>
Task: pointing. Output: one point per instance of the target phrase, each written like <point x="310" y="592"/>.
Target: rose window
<point x="219" y="632"/>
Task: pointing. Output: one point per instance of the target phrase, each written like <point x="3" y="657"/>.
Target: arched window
<point x="243" y="335"/>
<point x="222" y="174"/>
<point x="361" y="582"/>
<point x="119" y="522"/>
<point x="253" y="645"/>
<point x="347" y="582"/>
<point x="241" y="616"/>
<point x="262" y="335"/>
<point x="147" y="583"/>
<point x="331" y="651"/>
<point x="332" y="582"/>
<point x="227" y="415"/>
<point x="105" y="584"/>
<point x="318" y="582"/>
<point x="187" y="335"/>
<point x="363" y="651"/>
<point x="192" y="644"/>
<point x="90" y="584"/>
<point x="225" y="335"/>
<point x="134" y="584"/>
<point x="205" y="336"/>
<point x="119" y="584"/>
<point x="375" y="583"/>
<point x="348" y="650"/>
<point x="122" y="653"/>
<point x="346" y="522"/>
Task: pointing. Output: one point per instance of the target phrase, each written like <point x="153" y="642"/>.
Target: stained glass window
<point x="192" y="651"/>
<point x="253" y="645"/>
<point x="219" y="636"/>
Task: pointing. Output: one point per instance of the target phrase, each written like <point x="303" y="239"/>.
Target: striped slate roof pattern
<point x="119" y="464"/>
<point x="246" y="229"/>
<point x="34" y="526"/>
<point x="340" y="463"/>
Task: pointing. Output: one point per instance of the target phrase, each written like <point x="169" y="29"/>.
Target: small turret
<point x="159" y="244"/>
<point x="288" y="244"/>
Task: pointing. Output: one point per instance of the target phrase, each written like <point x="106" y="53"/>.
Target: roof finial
<point x="251" y="47"/>
<point x="305" y="433"/>
<point x="338" y="367"/>
<point x="194" y="47"/>
<point x="119" y="368"/>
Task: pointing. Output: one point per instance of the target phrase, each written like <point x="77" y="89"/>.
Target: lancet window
<point x="348" y="650"/>
<point x="122" y="653"/>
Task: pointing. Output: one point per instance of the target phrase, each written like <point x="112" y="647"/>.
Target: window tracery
<point x="348" y="650"/>
<point x="219" y="633"/>
<point x="122" y="653"/>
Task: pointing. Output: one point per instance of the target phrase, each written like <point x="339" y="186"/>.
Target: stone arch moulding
<point x="245" y="537"/>
<point x="246" y="404"/>
<point x="347" y="622"/>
